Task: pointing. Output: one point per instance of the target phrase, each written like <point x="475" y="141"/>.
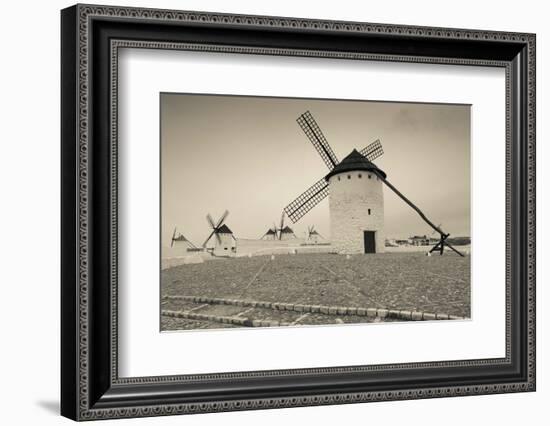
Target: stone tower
<point x="356" y="204"/>
<point x="224" y="245"/>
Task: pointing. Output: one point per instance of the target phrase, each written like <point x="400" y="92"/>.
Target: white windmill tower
<point x="225" y="243"/>
<point x="356" y="204"/>
<point x="356" y="200"/>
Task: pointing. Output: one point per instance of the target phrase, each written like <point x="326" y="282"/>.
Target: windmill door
<point x="370" y="246"/>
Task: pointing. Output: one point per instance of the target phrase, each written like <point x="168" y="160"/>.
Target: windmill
<point x="179" y="237"/>
<point x="270" y="234"/>
<point x="285" y="232"/>
<point x="356" y="200"/>
<point x="312" y="235"/>
<point x="225" y="242"/>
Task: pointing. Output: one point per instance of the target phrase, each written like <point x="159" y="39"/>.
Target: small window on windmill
<point x="359" y="175"/>
<point x="369" y="212"/>
<point x="369" y="176"/>
<point x="338" y="177"/>
<point x="349" y="176"/>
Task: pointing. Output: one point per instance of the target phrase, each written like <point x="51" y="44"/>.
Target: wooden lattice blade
<point x="307" y="200"/>
<point x="315" y="135"/>
<point x="372" y="151"/>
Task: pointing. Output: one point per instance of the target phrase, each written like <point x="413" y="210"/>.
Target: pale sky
<point x="249" y="156"/>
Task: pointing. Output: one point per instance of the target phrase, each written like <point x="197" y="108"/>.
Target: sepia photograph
<point x="279" y="212"/>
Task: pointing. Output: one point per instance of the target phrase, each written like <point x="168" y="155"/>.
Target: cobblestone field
<point x="393" y="281"/>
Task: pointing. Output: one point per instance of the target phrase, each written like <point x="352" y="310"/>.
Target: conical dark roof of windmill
<point x="224" y="229"/>
<point x="287" y="229"/>
<point x="270" y="231"/>
<point x="354" y="162"/>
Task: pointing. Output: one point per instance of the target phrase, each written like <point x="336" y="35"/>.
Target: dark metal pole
<point x="416" y="209"/>
<point x="422" y="215"/>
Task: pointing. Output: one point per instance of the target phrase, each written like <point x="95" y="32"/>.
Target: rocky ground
<point x="392" y="281"/>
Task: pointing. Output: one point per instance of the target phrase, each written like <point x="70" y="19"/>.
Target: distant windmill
<point x="285" y="232"/>
<point x="356" y="201"/>
<point x="179" y="237"/>
<point x="225" y="243"/>
<point x="312" y="235"/>
<point x="270" y="234"/>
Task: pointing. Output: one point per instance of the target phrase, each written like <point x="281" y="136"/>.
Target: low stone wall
<point x="327" y="310"/>
<point x="243" y="322"/>
<point x="269" y="247"/>
<point x="183" y="260"/>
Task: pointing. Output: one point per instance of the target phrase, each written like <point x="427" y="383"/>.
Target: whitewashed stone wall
<point x="349" y="204"/>
<point x="224" y="248"/>
<point x="286" y="237"/>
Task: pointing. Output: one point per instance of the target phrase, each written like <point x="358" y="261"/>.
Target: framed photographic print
<point x="263" y="212"/>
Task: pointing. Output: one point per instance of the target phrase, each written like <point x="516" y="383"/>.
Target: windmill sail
<point x="307" y="200"/>
<point x="210" y="221"/>
<point x="372" y="151"/>
<point x="217" y="228"/>
<point x="208" y="239"/>
<point x="281" y="226"/>
<point x="224" y="216"/>
<point x="313" y="132"/>
<point x="173" y="237"/>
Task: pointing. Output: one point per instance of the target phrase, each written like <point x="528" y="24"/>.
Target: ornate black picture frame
<point x="90" y="38"/>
